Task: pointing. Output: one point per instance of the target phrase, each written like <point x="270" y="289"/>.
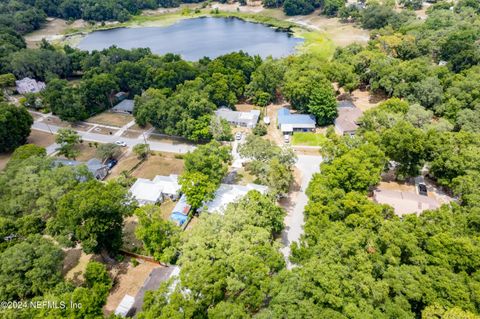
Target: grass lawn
<point x="318" y="44"/>
<point x="111" y="119"/>
<point x="166" y="208"/>
<point x="308" y="139"/>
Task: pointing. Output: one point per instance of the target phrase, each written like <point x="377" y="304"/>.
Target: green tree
<point x="211" y="160"/>
<point x="406" y="145"/>
<point x="160" y="237"/>
<point x="26" y="151"/>
<point x="96" y="92"/>
<point x="141" y="150"/>
<point x="30" y="268"/>
<point x="68" y="140"/>
<point x="323" y="105"/>
<point x="15" y="125"/>
<point x="92" y="214"/>
<point x="197" y="187"/>
<point x="108" y="151"/>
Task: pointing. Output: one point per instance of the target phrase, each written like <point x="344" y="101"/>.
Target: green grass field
<point x="308" y="139"/>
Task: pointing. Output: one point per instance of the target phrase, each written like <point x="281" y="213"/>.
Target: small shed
<point x="125" y="106"/>
<point x="124" y="309"/>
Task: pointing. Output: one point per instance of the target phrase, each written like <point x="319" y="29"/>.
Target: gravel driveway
<point x="307" y="165"/>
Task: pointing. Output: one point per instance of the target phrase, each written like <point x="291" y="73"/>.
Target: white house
<point x="28" y="85"/>
<point x="146" y="191"/>
<point x="228" y="193"/>
<point x="244" y="119"/>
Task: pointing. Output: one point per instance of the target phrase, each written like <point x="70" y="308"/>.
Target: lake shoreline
<point x="73" y="37"/>
<point x="195" y="38"/>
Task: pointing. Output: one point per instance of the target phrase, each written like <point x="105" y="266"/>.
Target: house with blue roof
<point x="289" y="123"/>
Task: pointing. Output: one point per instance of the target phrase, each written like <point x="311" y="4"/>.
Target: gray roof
<point x="28" y="85"/>
<point x="93" y="165"/>
<point x="238" y="117"/>
<point x="125" y="106"/>
<point x="348" y="115"/>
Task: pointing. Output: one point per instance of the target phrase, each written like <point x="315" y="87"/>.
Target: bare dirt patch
<point x="124" y="164"/>
<point x="52" y="30"/>
<point x="273" y="133"/>
<point x="40" y="138"/>
<point x="4" y="158"/>
<point x="111" y="119"/>
<point x="87" y="151"/>
<point x="127" y="281"/>
<point x="159" y="164"/>
<point x="366" y="100"/>
<point x="158" y="137"/>
<point x="104" y="130"/>
<point x="166" y="209"/>
<point x="75" y="264"/>
<point x="130" y="242"/>
<point x="131" y="134"/>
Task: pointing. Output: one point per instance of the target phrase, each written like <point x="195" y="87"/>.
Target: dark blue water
<point x="196" y="38"/>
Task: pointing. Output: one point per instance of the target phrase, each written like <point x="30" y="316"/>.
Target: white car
<point x="121" y="143"/>
<point x="286" y="138"/>
<point x="238" y="136"/>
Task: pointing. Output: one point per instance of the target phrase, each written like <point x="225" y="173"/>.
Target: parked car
<point x="121" y="143"/>
<point x="422" y="189"/>
<point x="286" y="138"/>
<point x="238" y="136"/>
<point x="266" y="120"/>
<point x="111" y="163"/>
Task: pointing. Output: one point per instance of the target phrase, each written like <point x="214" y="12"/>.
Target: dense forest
<point x="356" y="259"/>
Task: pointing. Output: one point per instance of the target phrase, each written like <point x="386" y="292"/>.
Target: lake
<point x="199" y="37"/>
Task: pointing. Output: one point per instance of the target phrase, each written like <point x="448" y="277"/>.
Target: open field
<point x="159" y="164"/>
<point x="111" y="119"/>
<point x="307" y="138"/>
<point x="41" y="138"/>
<point x="87" y="152"/>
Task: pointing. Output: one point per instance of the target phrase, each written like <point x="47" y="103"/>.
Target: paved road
<point x="101" y="138"/>
<point x="308" y="165"/>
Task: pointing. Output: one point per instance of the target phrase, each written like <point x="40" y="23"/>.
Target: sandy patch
<point x="53" y="30"/>
<point x="111" y="119"/>
<point x="366" y="100"/>
<point x="42" y="139"/>
<point x="127" y="280"/>
<point x="160" y="164"/>
<point x="75" y="264"/>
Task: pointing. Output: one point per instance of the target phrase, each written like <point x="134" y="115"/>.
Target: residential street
<point x="103" y="138"/>
<point x="307" y="165"/>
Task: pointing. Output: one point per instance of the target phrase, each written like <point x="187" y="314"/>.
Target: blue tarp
<point x="180" y="219"/>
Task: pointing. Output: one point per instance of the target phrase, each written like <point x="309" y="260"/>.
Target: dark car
<point x="422" y="189"/>
<point x="111" y="163"/>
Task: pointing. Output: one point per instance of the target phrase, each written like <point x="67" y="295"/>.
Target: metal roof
<point x="125" y="106"/>
<point x="285" y="117"/>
